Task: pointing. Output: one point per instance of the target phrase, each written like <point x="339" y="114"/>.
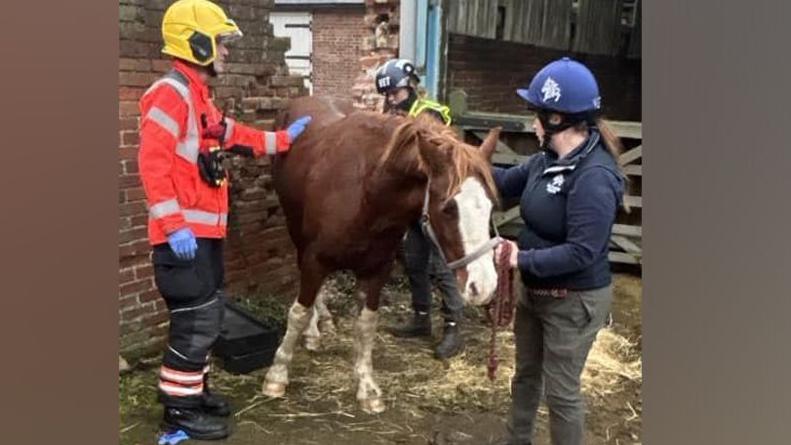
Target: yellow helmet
<point x="190" y="29"/>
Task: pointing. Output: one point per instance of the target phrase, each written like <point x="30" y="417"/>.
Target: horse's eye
<point x="450" y="209"/>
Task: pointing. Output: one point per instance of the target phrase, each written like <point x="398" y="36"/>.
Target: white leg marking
<point x="368" y="392"/>
<point x="277" y="376"/>
<point x="312" y="335"/>
<point x="320" y="322"/>
<point x="326" y="325"/>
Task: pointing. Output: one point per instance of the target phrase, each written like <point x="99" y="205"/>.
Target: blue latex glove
<point x="172" y="438"/>
<point x="183" y="243"/>
<point x="297" y="127"/>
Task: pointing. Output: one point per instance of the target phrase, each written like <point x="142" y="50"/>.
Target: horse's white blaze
<point x="368" y="391"/>
<point x="298" y="318"/>
<point x="475" y="211"/>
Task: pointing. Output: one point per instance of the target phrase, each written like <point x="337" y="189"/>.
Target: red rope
<point x="500" y="310"/>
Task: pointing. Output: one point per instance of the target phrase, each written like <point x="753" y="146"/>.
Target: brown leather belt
<point x="554" y="293"/>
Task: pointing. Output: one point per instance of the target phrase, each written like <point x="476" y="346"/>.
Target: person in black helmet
<point x="397" y="81"/>
<point x="569" y="195"/>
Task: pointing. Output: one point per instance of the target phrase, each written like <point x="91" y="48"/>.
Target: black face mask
<point x="566" y="121"/>
<point x="405" y="105"/>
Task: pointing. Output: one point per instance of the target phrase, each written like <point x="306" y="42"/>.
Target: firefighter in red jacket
<point x="182" y="139"/>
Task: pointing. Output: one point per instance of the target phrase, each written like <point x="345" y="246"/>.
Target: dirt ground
<point x="428" y="401"/>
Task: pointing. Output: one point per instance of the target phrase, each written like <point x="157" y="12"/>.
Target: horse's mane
<point x="466" y="160"/>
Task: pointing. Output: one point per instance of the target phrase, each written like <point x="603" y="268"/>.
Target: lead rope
<point x="500" y="311"/>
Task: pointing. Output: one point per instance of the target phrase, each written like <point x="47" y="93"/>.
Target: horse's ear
<point x="435" y="159"/>
<point x="490" y="143"/>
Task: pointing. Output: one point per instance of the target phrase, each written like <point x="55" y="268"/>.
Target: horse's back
<point x="323" y="110"/>
<point x="313" y="157"/>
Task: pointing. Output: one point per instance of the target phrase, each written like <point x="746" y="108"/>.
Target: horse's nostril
<point x="473" y="290"/>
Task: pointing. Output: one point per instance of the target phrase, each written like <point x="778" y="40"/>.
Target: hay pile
<point x="613" y="359"/>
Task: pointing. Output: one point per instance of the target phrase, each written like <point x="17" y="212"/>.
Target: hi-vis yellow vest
<point x="422" y="105"/>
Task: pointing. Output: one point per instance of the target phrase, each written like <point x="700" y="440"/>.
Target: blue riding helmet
<point x="564" y="86"/>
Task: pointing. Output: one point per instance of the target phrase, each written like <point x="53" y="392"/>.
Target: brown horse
<point x="350" y="186"/>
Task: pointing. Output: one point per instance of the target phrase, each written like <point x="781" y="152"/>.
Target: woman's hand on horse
<point x="514" y="254"/>
<point x="297" y="127"/>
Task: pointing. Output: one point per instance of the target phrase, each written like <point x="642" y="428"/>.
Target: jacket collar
<point x="569" y="163"/>
<point x="191" y="73"/>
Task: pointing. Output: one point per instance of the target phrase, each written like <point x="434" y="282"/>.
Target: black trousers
<point x="192" y="291"/>
<point x="422" y="263"/>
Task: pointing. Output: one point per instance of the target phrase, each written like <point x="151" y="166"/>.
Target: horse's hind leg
<point x="326" y="325"/>
<point x="312" y="336"/>
<point x="368" y="393"/>
<point x="320" y="322"/>
<point x="298" y="318"/>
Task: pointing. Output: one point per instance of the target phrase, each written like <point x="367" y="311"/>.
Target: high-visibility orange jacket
<point x="175" y="112"/>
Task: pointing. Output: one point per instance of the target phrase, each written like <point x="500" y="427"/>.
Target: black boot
<point x="452" y="342"/>
<point x="196" y="423"/>
<point x="212" y="403"/>
<point x="418" y="326"/>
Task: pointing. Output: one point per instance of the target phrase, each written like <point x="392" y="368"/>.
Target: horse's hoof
<point x="374" y="405"/>
<point x="312" y="343"/>
<point x="274" y="389"/>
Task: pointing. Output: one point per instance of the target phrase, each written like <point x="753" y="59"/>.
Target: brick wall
<point x="490" y="70"/>
<point x="259" y="255"/>
<point x="337" y="40"/>
<point x="379" y="43"/>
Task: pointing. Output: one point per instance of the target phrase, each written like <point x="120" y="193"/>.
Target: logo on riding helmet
<point x="551" y="90"/>
<point x="191" y="29"/>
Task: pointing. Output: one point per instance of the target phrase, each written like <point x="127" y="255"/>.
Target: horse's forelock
<point x="404" y="137"/>
<point x="466" y="160"/>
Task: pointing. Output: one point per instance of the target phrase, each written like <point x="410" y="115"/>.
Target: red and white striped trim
<point x="186" y="378"/>
<point x="270" y="142"/>
<point x="179" y="390"/>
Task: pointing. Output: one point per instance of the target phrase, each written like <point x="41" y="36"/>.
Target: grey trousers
<point x="553" y="337"/>
<point x="421" y="262"/>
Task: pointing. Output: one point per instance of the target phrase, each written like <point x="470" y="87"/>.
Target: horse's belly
<point x="358" y="254"/>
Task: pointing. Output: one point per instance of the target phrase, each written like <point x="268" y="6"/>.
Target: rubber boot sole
<point x="218" y="435"/>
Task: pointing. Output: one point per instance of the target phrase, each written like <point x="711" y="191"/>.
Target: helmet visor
<point x="227" y="38"/>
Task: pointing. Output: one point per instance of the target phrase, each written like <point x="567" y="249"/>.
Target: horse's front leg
<point x="298" y="317"/>
<point x="368" y="393"/>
